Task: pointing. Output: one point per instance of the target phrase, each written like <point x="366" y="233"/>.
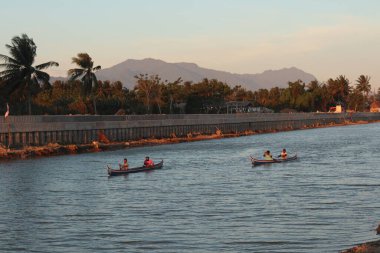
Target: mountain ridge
<point x="126" y="70"/>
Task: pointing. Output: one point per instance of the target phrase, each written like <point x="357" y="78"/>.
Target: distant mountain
<point x="125" y="72"/>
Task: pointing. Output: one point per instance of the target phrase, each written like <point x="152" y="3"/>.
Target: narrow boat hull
<point x="256" y="162"/>
<point x="112" y="172"/>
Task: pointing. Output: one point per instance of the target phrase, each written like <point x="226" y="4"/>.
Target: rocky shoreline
<point x="368" y="247"/>
<point x="53" y="149"/>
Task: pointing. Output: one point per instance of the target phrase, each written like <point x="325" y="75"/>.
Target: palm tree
<point x="339" y="89"/>
<point x="87" y="72"/>
<point x="19" y="74"/>
<point x="363" y="85"/>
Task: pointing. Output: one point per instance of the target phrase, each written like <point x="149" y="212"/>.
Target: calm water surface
<point x="207" y="198"/>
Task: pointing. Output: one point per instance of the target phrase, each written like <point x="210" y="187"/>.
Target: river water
<point x="206" y="198"/>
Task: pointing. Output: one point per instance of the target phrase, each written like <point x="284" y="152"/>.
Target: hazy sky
<point x="326" y="38"/>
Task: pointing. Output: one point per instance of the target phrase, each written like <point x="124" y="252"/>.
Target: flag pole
<point x="6" y="116"/>
<point x="9" y="132"/>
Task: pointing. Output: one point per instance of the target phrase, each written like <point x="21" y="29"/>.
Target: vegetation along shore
<point x="27" y="90"/>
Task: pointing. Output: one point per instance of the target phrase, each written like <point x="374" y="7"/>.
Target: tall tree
<point x="87" y="74"/>
<point x="274" y="98"/>
<point x="262" y="97"/>
<point x="210" y="94"/>
<point x="20" y="75"/>
<point x="339" y="90"/>
<point x="173" y="91"/>
<point x="148" y="90"/>
<point x="296" y="90"/>
<point x="157" y="95"/>
<point x="363" y="86"/>
<point x="356" y="101"/>
<point x="320" y="97"/>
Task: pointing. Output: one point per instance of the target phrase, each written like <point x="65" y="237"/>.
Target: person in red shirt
<point x="148" y="162"/>
<point x="283" y="154"/>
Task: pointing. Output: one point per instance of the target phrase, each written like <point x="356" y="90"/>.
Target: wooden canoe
<point x="112" y="172"/>
<point x="256" y="162"/>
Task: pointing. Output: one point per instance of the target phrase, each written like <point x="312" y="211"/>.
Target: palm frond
<point x="9" y="74"/>
<point x="16" y="51"/>
<point x="42" y="76"/>
<point x="83" y="60"/>
<point x="35" y="85"/>
<point x="97" y="68"/>
<point x="8" y="59"/>
<point x="75" y="73"/>
<point x="12" y="84"/>
<point x="23" y="49"/>
<point x="47" y="65"/>
<point x="10" y="66"/>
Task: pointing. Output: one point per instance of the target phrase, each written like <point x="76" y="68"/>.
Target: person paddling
<point x="283" y="154"/>
<point x="148" y="162"/>
<point x="125" y="165"/>
<point x="267" y="155"/>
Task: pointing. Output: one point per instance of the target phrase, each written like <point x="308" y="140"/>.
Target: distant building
<point x="288" y="110"/>
<point x="181" y="107"/>
<point x="244" y="107"/>
<point x="337" y="109"/>
<point x="261" y="110"/>
<point x="238" y="106"/>
<point x="375" y="107"/>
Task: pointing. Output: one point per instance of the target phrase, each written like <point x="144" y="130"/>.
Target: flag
<point x="7" y="112"/>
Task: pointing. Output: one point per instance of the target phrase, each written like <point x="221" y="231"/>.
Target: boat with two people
<point x="148" y="166"/>
<point x="283" y="157"/>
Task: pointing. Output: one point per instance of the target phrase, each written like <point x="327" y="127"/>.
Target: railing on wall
<point x="81" y="129"/>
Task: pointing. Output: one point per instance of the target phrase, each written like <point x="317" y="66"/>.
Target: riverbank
<point x="53" y="149"/>
<point x="368" y="247"/>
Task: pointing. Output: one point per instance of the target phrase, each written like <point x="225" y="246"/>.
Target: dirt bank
<point x="369" y="247"/>
<point x="56" y="149"/>
<point x="103" y="144"/>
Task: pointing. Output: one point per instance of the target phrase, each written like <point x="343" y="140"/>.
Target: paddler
<point x="267" y="155"/>
<point x="125" y="165"/>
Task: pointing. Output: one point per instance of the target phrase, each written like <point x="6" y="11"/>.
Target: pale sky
<point x="326" y="38"/>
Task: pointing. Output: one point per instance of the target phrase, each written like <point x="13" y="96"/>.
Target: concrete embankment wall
<point x="41" y="130"/>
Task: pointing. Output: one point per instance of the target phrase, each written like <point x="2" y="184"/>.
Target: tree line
<point x="28" y="91"/>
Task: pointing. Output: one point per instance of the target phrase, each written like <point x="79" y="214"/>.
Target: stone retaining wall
<point x="41" y="130"/>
